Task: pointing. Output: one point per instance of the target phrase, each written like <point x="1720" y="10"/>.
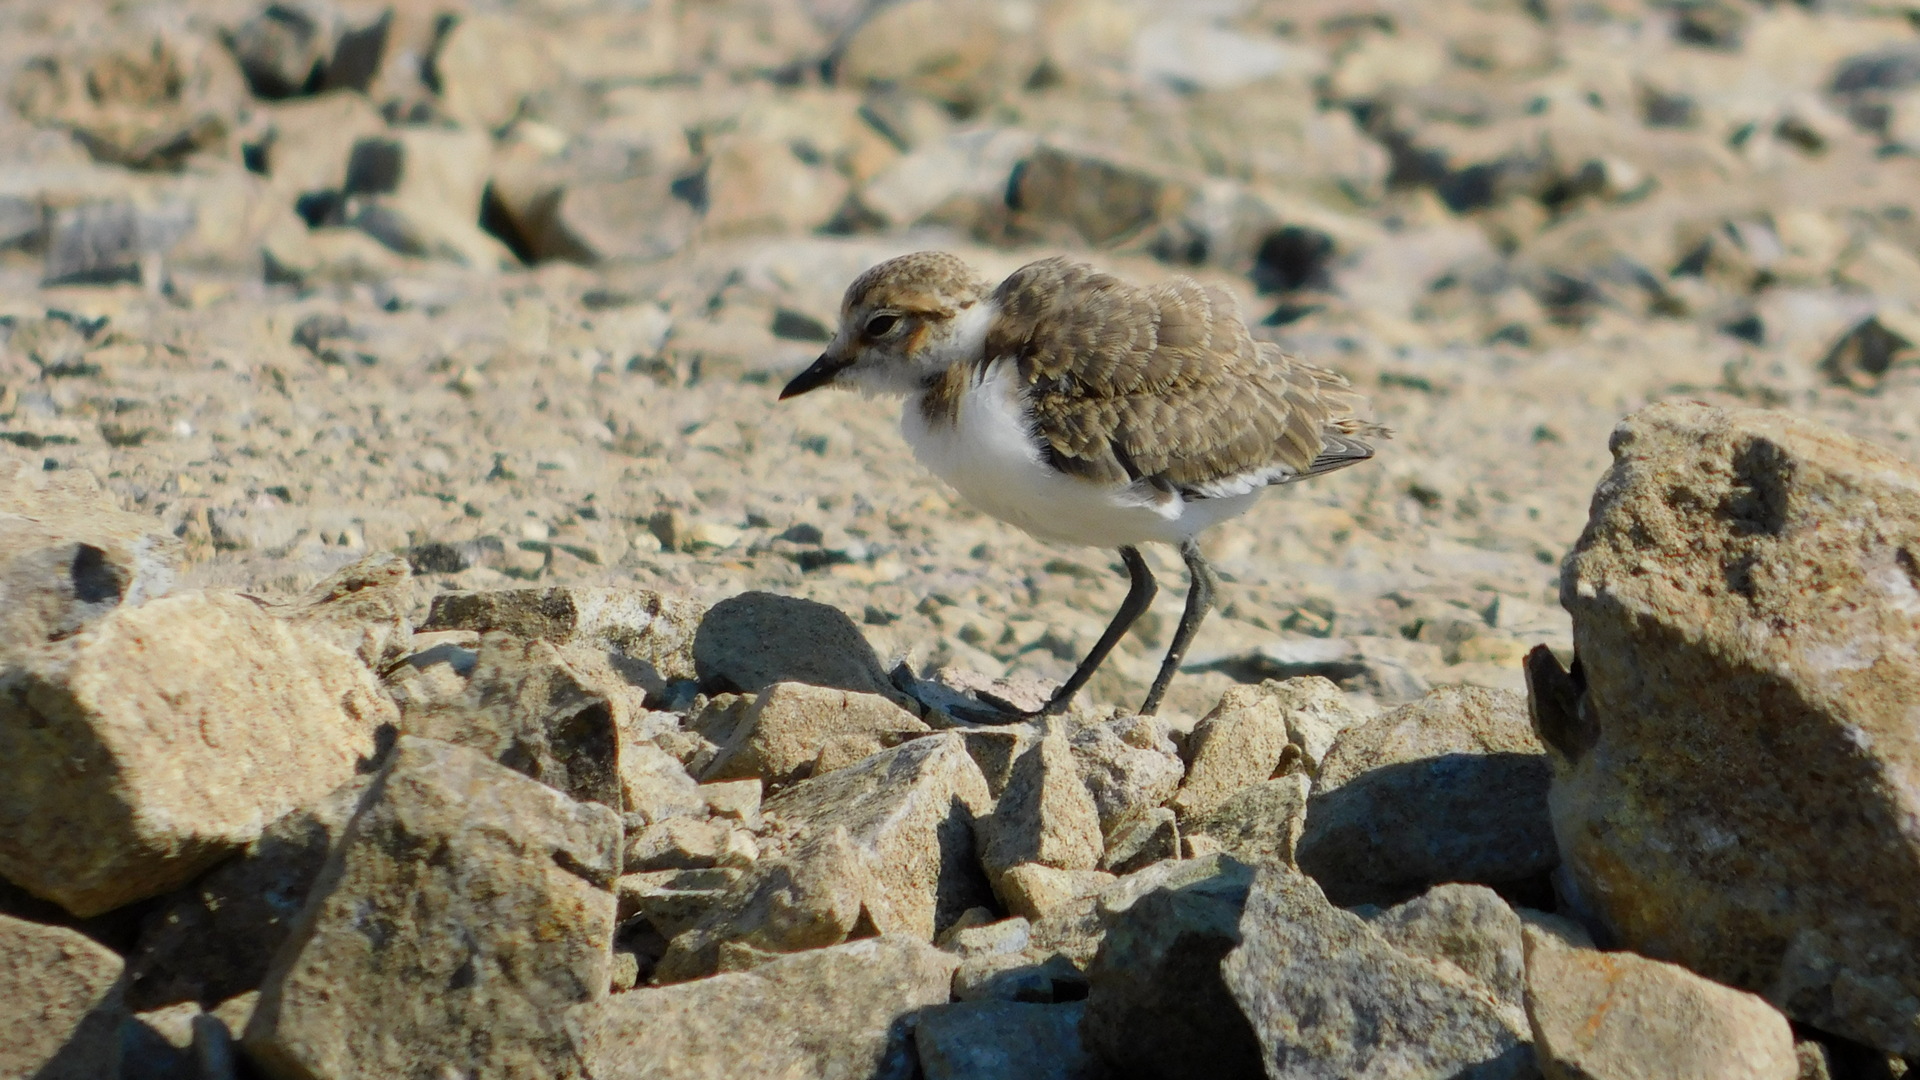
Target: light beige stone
<point x="464" y="897"/>
<point x="162" y="738"/>
<point x="1601" y="1016"/>
<point x="60" y="1004"/>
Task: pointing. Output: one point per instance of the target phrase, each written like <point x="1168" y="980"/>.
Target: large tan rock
<point x="782" y="733"/>
<point x="68" y="555"/>
<point x="1045" y="815"/>
<point x="1240" y="742"/>
<point x="833" y="1013"/>
<point x="463" y="898"/>
<point x="1618" y="1016"/>
<point x="1738" y="768"/>
<point x="1327" y="998"/>
<point x="528" y="708"/>
<point x="60" y="1005"/>
<point x="886" y="843"/>
<point x="162" y="738"/>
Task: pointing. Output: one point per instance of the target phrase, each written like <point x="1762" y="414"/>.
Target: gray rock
<point x="749" y="642"/>
<point x="672" y="901"/>
<point x="362" y="607"/>
<point x="1003" y="1040"/>
<point x="646" y="636"/>
<point x="283" y="49"/>
<point x="1141" y="838"/>
<point x="1605" y="1015"/>
<point x="1259" y="824"/>
<point x="839" y="1013"/>
<point x="107" y="805"/>
<point x="1156" y="1003"/>
<point x="1096" y="200"/>
<point x="71" y="555"/>
<point x="1468" y="926"/>
<point x="1450" y="788"/>
<point x="111" y="242"/>
<point x="463" y="897"/>
<point x="1329" y="998"/>
<point x="1129" y="765"/>
<point x="60" y="1003"/>
<point x="529" y="709"/>
<point x="887" y="842"/>
<point x="1683" y="825"/>
<point x="216" y="939"/>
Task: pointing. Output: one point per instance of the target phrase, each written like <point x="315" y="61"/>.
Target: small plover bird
<point x="1089" y="411"/>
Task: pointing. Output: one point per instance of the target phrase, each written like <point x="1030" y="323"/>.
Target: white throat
<point x="966" y="337"/>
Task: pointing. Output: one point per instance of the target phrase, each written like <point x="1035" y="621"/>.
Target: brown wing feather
<point x="1165" y="384"/>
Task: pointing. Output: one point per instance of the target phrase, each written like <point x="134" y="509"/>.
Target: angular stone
<point x="747" y="643"/>
<point x="838" y="1013"/>
<point x="283" y="50"/>
<point x="1044" y="816"/>
<point x="1449" y="788"/>
<point x="1003" y="1040"/>
<point x="675" y="844"/>
<point x="309" y="141"/>
<point x="60" y="1005"/>
<point x="361" y="607"/>
<point x="965" y="54"/>
<point x="1241" y="742"/>
<point x="1728" y="795"/>
<point x="1329" y="998"/>
<point x="110" y="803"/>
<point x="1259" y="824"/>
<point x="672" y="901"/>
<point x="1317" y="712"/>
<point x="1035" y="891"/>
<point x="1468" y="926"/>
<point x="1128" y="765"/>
<point x="886" y="843"/>
<point x="419" y="192"/>
<point x="654" y="787"/>
<point x="1156" y="1003"/>
<point x="1141" y="838"/>
<point x="782" y="734"/>
<point x="71" y="555"/>
<point x="216" y="939"/>
<point x="488" y="65"/>
<point x="528" y="708"/>
<point x="1606" y="1015"/>
<point x="647" y="636"/>
<point x="464" y="897"/>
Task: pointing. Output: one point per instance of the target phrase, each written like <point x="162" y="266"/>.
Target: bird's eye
<point x="882" y="324"/>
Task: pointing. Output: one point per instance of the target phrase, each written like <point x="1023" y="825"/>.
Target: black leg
<point x="1200" y="586"/>
<point x="1140" y="590"/>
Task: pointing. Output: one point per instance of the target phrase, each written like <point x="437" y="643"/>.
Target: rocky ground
<point x="420" y="620"/>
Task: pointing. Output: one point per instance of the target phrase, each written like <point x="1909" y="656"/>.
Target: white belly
<point x="989" y="457"/>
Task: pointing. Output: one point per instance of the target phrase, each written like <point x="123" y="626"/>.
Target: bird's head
<point x="902" y="323"/>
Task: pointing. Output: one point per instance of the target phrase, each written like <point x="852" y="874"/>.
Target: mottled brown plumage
<point x="1165" y="383"/>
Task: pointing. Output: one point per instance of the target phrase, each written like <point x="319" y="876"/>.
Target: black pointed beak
<point x="816" y="376"/>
